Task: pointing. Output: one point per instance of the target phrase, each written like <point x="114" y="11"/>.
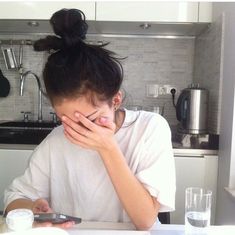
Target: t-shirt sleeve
<point x="34" y="183"/>
<point x="156" y="170"/>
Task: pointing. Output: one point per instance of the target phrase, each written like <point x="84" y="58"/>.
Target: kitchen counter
<point x="18" y="146"/>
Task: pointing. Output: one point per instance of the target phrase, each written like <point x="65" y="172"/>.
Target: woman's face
<point x="69" y="107"/>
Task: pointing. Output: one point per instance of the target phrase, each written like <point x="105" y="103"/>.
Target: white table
<point x="101" y="228"/>
<point x="97" y="228"/>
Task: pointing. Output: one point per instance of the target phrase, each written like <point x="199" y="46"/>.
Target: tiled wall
<point x="160" y="61"/>
<point x="208" y="69"/>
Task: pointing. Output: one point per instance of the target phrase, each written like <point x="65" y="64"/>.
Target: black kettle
<point x="192" y="110"/>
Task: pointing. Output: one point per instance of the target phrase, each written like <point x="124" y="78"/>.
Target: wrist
<point x="109" y="149"/>
<point x="112" y="157"/>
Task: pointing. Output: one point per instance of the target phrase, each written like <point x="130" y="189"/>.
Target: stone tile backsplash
<point x="147" y="61"/>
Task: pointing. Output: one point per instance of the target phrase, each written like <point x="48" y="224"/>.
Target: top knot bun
<point x="69" y="25"/>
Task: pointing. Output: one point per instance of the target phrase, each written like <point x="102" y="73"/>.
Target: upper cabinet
<point x="42" y="10"/>
<point x="153" y="11"/>
<point x="205" y="12"/>
<point x="107" y="17"/>
<point x="111" y="11"/>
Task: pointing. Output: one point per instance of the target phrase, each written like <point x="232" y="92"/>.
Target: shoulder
<point x="55" y="139"/>
<point x="53" y="147"/>
<point x="147" y="126"/>
<point x="146" y="119"/>
<point x="56" y="134"/>
<point x="153" y="118"/>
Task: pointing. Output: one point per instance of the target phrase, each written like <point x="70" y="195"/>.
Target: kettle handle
<point x="180" y="106"/>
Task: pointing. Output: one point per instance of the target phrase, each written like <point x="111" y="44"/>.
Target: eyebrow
<point x="91" y="114"/>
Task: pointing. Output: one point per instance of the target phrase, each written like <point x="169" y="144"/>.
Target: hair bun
<point x="70" y="25"/>
<point x="48" y="43"/>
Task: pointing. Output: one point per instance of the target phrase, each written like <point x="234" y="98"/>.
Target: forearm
<point x="19" y="203"/>
<point x="138" y="203"/>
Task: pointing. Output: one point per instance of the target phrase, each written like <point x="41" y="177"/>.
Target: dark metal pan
<point x="4" y="85"/>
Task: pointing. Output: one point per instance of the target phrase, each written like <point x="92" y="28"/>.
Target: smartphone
<point x="55" y="218"/>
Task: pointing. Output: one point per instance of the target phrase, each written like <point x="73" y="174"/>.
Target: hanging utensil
<point x="20" y="68"/>
<point x="9" y="58"/>
<point x="21" y="56"/>
<point x="4" y="85"/>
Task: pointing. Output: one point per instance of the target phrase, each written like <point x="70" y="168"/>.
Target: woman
<point x="104" y="163"/>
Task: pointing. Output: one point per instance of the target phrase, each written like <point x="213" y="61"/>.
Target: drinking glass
<point x="197" y="210"/>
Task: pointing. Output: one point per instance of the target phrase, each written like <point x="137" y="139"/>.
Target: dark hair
<point x="77" y="68"/>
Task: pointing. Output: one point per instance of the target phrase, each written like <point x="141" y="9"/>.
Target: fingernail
<point x="63" y="118"/>
<point x="103" y="119"/>
<point x="76" y="114"/>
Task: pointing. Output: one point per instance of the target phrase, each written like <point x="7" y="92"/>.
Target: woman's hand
<point x="68" y="224"/>
<point x="98" y="135"/>
<point x="42" y="206"/>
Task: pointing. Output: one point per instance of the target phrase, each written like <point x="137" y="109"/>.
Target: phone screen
<point x="55" y="218"/>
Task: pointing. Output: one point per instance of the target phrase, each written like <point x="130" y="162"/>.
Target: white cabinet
<point x="147" y="11"/>
<point x="194" y="171"/>
<point x="42" y="10"/>
<point x="153" y="11"/>
<point x="12" y="164"/>
<point x="205" y="12"/>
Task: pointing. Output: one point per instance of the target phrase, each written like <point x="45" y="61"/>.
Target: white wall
<point x="225" y="211"/>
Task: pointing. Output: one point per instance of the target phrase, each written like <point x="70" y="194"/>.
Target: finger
<point x="41" y="205"/>
<point x="74" y="126"/>
<point x="74" y="141"/>
<point x="79" y="134"/>
<point x="106" y="122"/>
<point x="44" y="224"/>
<point x="86" y="122"/>
<point x="68" y="224"/>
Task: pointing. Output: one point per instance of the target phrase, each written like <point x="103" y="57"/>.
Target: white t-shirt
<point x="75" y="182"/>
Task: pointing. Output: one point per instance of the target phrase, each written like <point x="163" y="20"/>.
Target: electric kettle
<point x="192" y="109"/>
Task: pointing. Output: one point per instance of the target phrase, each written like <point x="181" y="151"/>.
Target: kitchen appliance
<point x="191" y="110"/>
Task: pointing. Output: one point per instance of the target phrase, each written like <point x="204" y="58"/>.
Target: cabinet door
<point x="205" y="12"/>
<point x="194" y="172"/>
<point x="147" y="11"/>
<point x="12" y="164"/>
<point x="42" y="9"/>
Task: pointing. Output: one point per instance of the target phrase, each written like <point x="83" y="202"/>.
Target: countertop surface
<point x="100" y="228"/>
<point x="105" y="228"/>
<point x="194" y="152"/>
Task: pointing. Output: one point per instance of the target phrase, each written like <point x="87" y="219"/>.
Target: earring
<point x="115" y="108"/>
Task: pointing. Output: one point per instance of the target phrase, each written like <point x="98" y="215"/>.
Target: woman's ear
<point x="117" y="100"/>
